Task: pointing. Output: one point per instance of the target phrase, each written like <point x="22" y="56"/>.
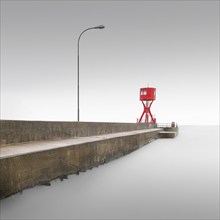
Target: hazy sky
<point x="170" y="45"/>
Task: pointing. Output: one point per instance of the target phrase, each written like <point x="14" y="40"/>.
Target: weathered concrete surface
<point x="24" y="131"/>
<point x="167" y="134"/>
<point x="173" y="129"/>
<point x="34" y="152"/>
<point x="33" y="147"/>
<point x="36" y="164"/>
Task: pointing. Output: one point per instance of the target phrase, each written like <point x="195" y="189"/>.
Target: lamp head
<point x="99" y="27"/>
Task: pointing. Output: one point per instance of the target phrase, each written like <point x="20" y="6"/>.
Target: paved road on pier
<point x="37" y="146"/>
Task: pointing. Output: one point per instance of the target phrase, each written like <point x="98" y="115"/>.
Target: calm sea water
<point x="166" y="179"/>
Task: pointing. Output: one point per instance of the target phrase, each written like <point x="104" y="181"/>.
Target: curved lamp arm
<point x="96" y="27"/>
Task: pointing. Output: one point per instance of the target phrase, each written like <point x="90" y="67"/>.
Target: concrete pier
<point x="25" y="131"/>
<point x="167" y="134"/>
<point x="47" y="157"/>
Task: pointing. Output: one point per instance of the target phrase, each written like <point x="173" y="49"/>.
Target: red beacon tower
<point x="147" y="96"/>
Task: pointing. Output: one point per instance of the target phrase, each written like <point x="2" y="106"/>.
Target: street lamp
<point x="96" y="27"/>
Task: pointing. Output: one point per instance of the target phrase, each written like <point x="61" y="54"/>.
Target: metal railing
<point x="161" y="125"/>
<point x="166" y="125"/>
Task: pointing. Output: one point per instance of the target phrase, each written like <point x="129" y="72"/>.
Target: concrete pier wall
<point x="24" y="131"/>
<point x="35" y="152"/>
<point x="27" y="170"/>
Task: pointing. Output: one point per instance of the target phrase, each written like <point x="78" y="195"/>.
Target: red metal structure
<point x="147" y="96"/>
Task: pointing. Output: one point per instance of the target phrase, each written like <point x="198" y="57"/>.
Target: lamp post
<point x="96" y="27"/>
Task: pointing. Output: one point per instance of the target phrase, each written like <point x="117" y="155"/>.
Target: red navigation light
<point x="148" y="95"/>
